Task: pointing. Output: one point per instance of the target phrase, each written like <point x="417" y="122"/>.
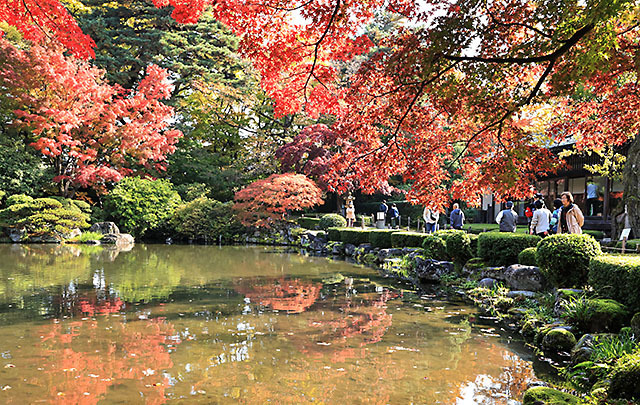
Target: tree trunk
<point x="631" y="180"/>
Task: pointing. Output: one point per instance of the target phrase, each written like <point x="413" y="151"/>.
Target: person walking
<point x="394" y="215"/>
<point x="507" y="218"/>
<point x="431" y="218"/>
<point x="457" y="217"/>
<point x="571" y="218"/>
<point x="541" y="220"/>
<point x="382" y="212"/>
<point x="555" y="217"/>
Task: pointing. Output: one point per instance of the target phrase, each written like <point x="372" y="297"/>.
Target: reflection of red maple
<point x="293" y="296"/>
<point x="84" y="358"/>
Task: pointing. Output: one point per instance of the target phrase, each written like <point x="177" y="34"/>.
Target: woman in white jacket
<point x="540" y="223"/>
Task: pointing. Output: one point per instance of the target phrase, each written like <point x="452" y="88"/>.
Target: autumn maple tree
<point x="91" y="132"/>
<point x="266" y="201"/>
<point x="457" y="85"/>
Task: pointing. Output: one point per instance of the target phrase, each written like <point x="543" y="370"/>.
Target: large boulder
<point x="349" y="249"/>
<point x="388" y="253"/>
<point x="487" y="282"/>
<point x="430" y="270"/>
<point x="105" y="228"/>
<point x="583" y="350"/>
<point x="520" y="277"/>
<point x="45" y="239"/>
<point x="494" y="272"/>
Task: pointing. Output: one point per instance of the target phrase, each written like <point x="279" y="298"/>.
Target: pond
<point x="207" y="324"/>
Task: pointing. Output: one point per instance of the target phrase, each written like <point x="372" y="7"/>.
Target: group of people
<point x="431" y="218"/>
<point x="565" y="218"/>
<point x="390" y="213"/>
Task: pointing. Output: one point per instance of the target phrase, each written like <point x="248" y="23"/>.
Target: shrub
<point x="528" y="257"/>
<point x="41" y="216"/>
<point x="333" y="234"/>
<point x="332" y="220"/>
<point x="459" y="248"/>
<point x="503" y="248"/>
<point x="204" y="219"/>
<point x="617" y="277"/>
<point x="625" y="377"/>
<point x="308" y="223"/>
<point x="564" y="258"/>
<point x="366" y="219"/>
<point x="595" y="315"/>
<point x="435" y="247"/>
<point x="82" y="206"/>
<point x="87" y="236"/>
<point x="632" y="244"/>
<point x="354" y="236"/>
<point x="596" y="234"/>
<point x="407" y="239"/>
<point x="139" y="205"/>
<point x="17" y="199"/>
<point x="381" y="238"/>
<point x="474" y="243"/>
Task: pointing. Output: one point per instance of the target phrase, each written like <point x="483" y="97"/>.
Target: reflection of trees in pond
<point x="291" y="295"/>
<point x="82" y="359"/>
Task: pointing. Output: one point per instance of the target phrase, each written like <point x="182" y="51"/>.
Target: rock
<point x="562" y="296"/>
<point x="520" y="277"/>
<point x="635" y="325"/>
<point x="318" y="245"/>
<point x="365" y="248"/>
<point x="518" y="313"/>
<point x="17" y="235"/>
<point x="388" y="253"/>
<point x="487" y="282"/>
<point x="105" y="228"/>
<point x="494" y="272"/>
<point x="76" y="232"/>
<point x="559" y="340"/>
<point x="45" y="239"/>
<point x="548" y="396"/>
<point x="349" y="249"/>
<point x="530" y="327"/>
<point x="430" y="270"/>
<point x="583" y="349"/>
<point x="473" y="265"/>
<point x="337" y="249"/>
<point x="521" y="294"/>
<point x="117" y="239"/>
<point x="408" y="250"/>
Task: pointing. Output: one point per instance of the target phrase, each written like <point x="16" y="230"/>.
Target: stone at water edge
<point x="548" y="396"/>
<point x="17" y="235"/>
<point x="521" y="294"/>
<point x="583" y="349"/>
<point x="520" y="277"/>
<point x="117" y="239"/>
<point x="494" y="272"/>
<point x="349" y="249"/>
<point x="105" y="228"/>
<point x="387" y="253"/>
<point x="431" y="271"/>
<point x="559" y="340"/>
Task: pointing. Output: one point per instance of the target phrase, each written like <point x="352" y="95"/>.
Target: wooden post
<point x="408" y="223"/>
<point x="624" y="244"/>
<point x="418" y="224"/>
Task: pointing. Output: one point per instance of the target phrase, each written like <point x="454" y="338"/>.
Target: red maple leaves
<point x="92" y="132"/>
<point x="266" y="201"/>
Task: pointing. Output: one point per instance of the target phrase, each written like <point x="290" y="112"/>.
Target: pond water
<point x="204" y="324"/>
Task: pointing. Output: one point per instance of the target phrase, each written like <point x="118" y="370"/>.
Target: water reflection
<point x="210" y="325"/>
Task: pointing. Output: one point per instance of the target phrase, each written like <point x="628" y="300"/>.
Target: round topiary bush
<point x="625" y="377"/>
<point x="332" y="221"/>
<point x="564" y="258"/>
<point x="548" y="396"/>
<point x="528" y="257"/>
<point x="435" y="248"/>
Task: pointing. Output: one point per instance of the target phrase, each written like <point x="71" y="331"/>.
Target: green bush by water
<point x="139" y="205"/>
<point x="564" y="258"/>
<point x="308" y="223"/>
<point x="435" y="247"/>
<point x="503" y="248"/>
<point x="625" y="377"/>
<point x="459" y="248"/>
<point x="407" y="239"/>
<point x="204" y="219"/>
<point x="617" y="277"/>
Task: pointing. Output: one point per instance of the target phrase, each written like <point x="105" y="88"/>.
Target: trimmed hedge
<point x="617" y="277"/>
<point x="333" y="234"/>
<point x="435" y="247"/>
<point x="503" y="248"/>
<point x="407" y="239"/>
<point x="381" y="238"/>
<point x="564" y="258"/>
<point x="354" y="236"/>
<point x="308" y="223"/>
<point x="459" y="248"/>
<point x="596" y="234"/>
<point x="331" y="220"/>
<point x="528" y="257"/>
<point x="632" y="244"/>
